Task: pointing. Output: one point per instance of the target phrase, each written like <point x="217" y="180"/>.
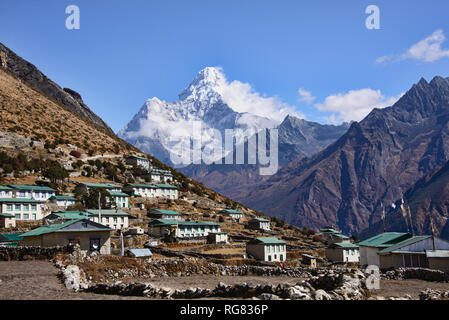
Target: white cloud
<point x="354" y="105"/>
<point x="305" y="96"/>
<point x="427" y="50"/>
<point x="242" y="97"/>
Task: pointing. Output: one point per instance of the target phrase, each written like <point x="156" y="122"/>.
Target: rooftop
<point x="344" y="245"/>
<point x="404" y="243"/>
<point x="232" y="211"/>
<point x="167" y="212"/>
<point x="69" y="198"/>
<point x="33" y="188"/>
<point x="268" y="240"/>
<point x="385" y="240"/>
<point x="20" y="200"/>
<point x="107" y="212"/>
<point x="60" y="227"/>
<point x="101" y="185"/>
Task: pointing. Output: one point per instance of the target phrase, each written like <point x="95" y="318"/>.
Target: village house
<point x="217" y="238"/>
<point x="7" y="220"/>
<point x="137" y="161"/>
<point x="114" y="219"/>
<point x="89" y="235"/>
<point x="343" y="252"/>
<point x="63" y="201"/>
<point x="23" y="208"/>
<point x="370" y="248"/>
<point x="120" y="198"/>
<point x="267" y="249"/>
<point x="234" y="214"/>
<point x="165" y="214"/>
<point x="32" y="192"/>
<point x="181" y="229"/>
<point x="259" y="224"/>
<point x="159" y="175"/>
<point x="309" y="260"/>
<point x="414" y="252"/>
<point x="6" y="192"/>
<point x="167" y="191"/>
<point x="332" y="235"/>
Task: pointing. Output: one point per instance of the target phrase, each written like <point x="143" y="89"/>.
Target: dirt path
<point x="412" y="287"/>
<point x="37" y="280"/>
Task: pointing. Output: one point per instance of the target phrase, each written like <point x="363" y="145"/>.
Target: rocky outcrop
<point x="29" y="74"/>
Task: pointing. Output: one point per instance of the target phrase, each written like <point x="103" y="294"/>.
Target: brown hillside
<point x="26" y="111"/>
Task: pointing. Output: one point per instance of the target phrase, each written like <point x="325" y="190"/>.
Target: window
<point x="26" y="207"/>
<point x="33" y="207"/>
<point x="269" y="258"/>
<point x="17" y="215"/>
<point x="17" y="207"/>
<point x="26" y="216"/>
<point x="94" y="244"/>
<point x="281" y="257"/>
<point x="9" y="207"/>
<point x="34" y="216"/>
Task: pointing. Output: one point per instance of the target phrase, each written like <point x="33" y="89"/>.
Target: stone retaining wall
<point x="31" y="253"/>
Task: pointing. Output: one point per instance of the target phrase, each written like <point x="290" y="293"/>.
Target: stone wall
<point x="31" y="253"/>
<point x="417" y="273"/>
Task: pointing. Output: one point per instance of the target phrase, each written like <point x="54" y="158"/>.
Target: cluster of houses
<point x="157" y="175"/>
<point x="388" y="250"/>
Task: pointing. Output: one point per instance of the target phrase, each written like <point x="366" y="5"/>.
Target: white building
<point x="121" y="199"/>
<point x="217" y="238"/>
<point x="32" y="192"/>
<point x="114" y="219"/>
<point x="267" y="249"/>
<point x="259" y="224"/>
<point x="137" y="161"/>
<point x="6" y="192"/>
<point x="370" y="248"/>
<point x="166" y="191"/>
<point x="158" y="175"/>
<point x="63" y="201"/>
<point x="165" y="214"/>
<point x="23" y="208"/>
<point x="182" y="229"/>
<point x="343" y="252"/>
<point x="234" y="214"/>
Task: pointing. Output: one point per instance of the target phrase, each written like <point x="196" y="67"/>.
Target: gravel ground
<point x="37" y="280"/>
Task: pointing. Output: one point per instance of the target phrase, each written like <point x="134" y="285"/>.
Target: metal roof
<point x="6" y="215"/>
<point x="34" y="188"/>
<point x="69" y="215"/>
<point x="183" y="223"/>
<point x="118" y="194"/>
<point x="344" y="245"/>
<point x="6" y="188"/>
<point x="268" y="240"/>
<point x="385" y="240"/>
<point x="141" y="252"/>
<point x="12" y="236"/>
<point x="61" y="226"/>
<point x="168" y="212"/>
<point x="62" y="198"/>
<point x="404" y="243"/>
<point x="259" y="220"/>
<point x="101" y="185"/>
<point x="232" y="211"/>
<point x="107" y="212"/>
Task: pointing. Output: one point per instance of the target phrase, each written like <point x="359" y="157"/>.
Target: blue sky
<point x="127" y="52"/>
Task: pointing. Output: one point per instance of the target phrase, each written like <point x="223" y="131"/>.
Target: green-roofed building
<point x="121" y="199"/>
<point x="112" y="218"/>
<point x="32" y="192"/>
<point x="234" y="214"/>
<point x="343" y="252"/>
<point x="370" y="248"/>
<point x="177" y="229"/>
<point x="23" y="208"/>
<point x="84" y="187"/>
<point x="152" y="190"/>
<point x="413" y="252"/>
<point x="10" y="239"/>
<point x="138" y="161"/>
<point x="267" y="249"/>
<point x="63" y="216"/>
<point x="165" y="214"/>
<point x="259" y="224"/>
<point x="91" y="236"/>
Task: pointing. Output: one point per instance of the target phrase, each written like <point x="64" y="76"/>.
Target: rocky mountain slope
<point x="297" y="138"/>
<point x="428" y="199"/>
<point x="29" y="74"/>
<point x="375" y="161"/>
